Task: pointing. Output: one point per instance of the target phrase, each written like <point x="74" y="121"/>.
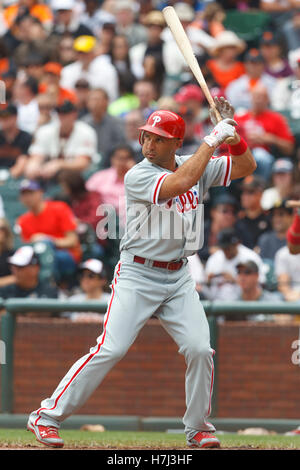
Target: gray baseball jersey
<point x="167" y="230"/>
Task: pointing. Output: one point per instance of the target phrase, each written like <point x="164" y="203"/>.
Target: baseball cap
<point x="24" y="256"/>
<point x="283" y="165"/>
<point x="227" y="237"/>
<point x="94" y="265"/>
<point x="253" y="182"/>
<point x="9" y="110"/>
<point x="66" y="107"/>
<point x="225" y="199"/>
<point x="62" y="4"/>
<point x="184" y="11"/>
<point x="189" y="92"/>
<point x="53" y="67"/>
<point x="155" y="17"/>
<point x="268" y="38"/>
<point x="253" y="55"/>
<point x="84" y="43"/>
<point x="250" y="266"/>
<point x="30" y="185"/>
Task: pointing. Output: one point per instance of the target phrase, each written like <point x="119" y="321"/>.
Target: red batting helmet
<point x="164" y="123"/>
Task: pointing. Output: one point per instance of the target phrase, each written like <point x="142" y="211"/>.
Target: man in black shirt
<point x="25" y="267"/>
<point x="14" y="143"/>
<point x="253" y="220"/>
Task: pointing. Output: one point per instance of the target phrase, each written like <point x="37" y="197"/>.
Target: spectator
<point x="282" y="184"/>
<point x="109" y="183"/>
<point x="14" y="142"/>
<point x="25" y="268"/>
<point x="270" y="242"/>
<point x="154" y="72"/>
<point x="64" y="143"/>
<point x="109" y="129"/>
<point x="223" y="214"/>
<point x="6" y="250"/>
<point x="285" y="98"/>
<point x="153" y="45"/>
<point x="224" y="64"/>
<point x="221" y="266"/>
<point x="290" y="31"/>
<point x="191" y="140"/>
<point x="106" y="36"/>
<point x="253" y="221"/>
<point x="47" y="105"/>
<point x="120" y="58"/>
<point x="27" y="105"/>
<point x="196" y="269"/>
<point x="9" y="79"/>
<point x="238" y="92"/>
<point x="279" y="11"/>
<point x="287" y="271"/>
<point x="125" y="14"/>
<point x="33" y="8"/>
<point x="191" y="99"/>
<point x="53" y="223"/>
<point x="132" y="121"/>
<point x="275" y="63"/>
<point x="94" y="17"/>
<point x="65" y="52"/>
<point x="66" y="20"/>
<point x="84" y="205"/>
<point x="146" y="94"/>
<point x="51" y="83"/>
<point x="97" y="70"/>
<point x="251" y="290"/>
<point x="93" y="281"/>
<point x="266" y="132"/>
<point x="82" y="91"/>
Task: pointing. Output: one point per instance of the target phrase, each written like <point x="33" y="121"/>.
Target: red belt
<point x="171" y="265"/>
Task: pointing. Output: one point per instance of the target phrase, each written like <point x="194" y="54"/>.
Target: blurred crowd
<point x="78" y="77"/>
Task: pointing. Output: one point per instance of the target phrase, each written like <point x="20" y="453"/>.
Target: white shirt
<point x="28" y="116"/>
<point x="100" y="74"/>
<point x="286" y="263"/>
<point x="48" y="143"/>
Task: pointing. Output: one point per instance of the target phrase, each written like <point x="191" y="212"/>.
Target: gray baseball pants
<point x="139" y="292"/>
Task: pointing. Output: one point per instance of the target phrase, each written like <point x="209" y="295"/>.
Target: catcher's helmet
<point x="164" y="123"/>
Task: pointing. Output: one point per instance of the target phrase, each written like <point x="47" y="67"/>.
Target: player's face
<point x="160" y="150"/>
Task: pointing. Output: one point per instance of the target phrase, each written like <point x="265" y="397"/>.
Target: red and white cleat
<point x="203" y="440"/>
<point x="47" y="435"/>
<point x="294" y="432"/>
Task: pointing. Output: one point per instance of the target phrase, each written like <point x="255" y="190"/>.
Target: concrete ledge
<point x="136" y="423"/>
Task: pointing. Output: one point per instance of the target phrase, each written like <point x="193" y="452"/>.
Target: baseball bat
<point x="292" y="203"/>
<point x="185" y="47"/>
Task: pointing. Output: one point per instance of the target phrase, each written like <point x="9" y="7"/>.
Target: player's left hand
<point x="225" y="109"/>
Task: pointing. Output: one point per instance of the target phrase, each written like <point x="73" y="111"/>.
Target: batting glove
<point x="221" y="132"/>
<point x="225" y="109"/>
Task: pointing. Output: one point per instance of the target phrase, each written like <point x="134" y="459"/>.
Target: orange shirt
<point x="42" y="12"/>
<point x="63" y="94"/>
<point x="224" y="77"/>
<point x="55" y="220"/>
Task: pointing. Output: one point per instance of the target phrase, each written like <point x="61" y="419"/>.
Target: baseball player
<point x="164" y="194"/>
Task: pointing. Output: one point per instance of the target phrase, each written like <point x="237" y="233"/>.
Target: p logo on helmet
<point x="164" y="123"/>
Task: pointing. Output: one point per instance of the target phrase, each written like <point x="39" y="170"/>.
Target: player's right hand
<point x="222" y="131"/>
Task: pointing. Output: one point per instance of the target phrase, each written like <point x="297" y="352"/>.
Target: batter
<point x="164" y="195"/>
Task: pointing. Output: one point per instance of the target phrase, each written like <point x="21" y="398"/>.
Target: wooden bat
<point x="292" y="203"/>
<point x="185" y="47"/>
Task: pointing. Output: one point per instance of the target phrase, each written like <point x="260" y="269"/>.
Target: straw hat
<point x="227" y="39"/>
